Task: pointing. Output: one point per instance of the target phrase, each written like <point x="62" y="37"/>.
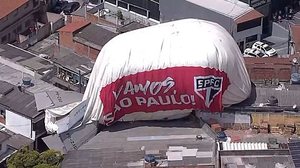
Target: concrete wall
<point x="57" y="25"/>
<point x="19" y="124"/>
<point x="181" y="9"/>
<point x="129" y="15"/>
<point x="43" y="31"/>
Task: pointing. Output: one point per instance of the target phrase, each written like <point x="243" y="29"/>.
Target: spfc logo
<point x="207" y="88"/>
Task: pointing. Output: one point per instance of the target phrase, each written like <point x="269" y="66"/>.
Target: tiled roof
<point x="8" y="6"/>
<point x="74" y="26"/>
<point x="253" y="14"/>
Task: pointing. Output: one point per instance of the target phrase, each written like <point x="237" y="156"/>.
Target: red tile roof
<point x="296" y="36"/>
<point x="8" y="6"/>
<point x="72" y="27"/>
<point x="253" y="14"/>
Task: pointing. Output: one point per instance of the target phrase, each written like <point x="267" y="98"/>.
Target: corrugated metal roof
<point x="229" y="8"/>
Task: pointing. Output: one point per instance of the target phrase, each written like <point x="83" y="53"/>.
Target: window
<point x="249" y="24"/>
<point x="137" y="10"/>
<point x="122" y="4"/>
<point x="111" y="1"/>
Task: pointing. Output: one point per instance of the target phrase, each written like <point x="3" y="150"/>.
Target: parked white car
<point x="250" y="52"/>
<point x="265" y="48"/>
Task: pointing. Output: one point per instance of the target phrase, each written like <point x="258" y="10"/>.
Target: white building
<point x="19" y="113"/>
<point x="243" y="22"/>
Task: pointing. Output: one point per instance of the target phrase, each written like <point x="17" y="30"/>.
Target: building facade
<point x="265" y="8"/>
<point x="17" y="17"/>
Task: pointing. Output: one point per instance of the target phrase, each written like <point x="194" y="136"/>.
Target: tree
<point x="26" y="158"/>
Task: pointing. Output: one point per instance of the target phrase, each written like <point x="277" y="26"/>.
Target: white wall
<point x="241" y="36"/>
<point x="18" y="124"/>
<point x="130" y="15"/>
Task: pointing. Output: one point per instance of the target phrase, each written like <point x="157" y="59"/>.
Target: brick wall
<point x="269" y="68"/>
<point x="66" y="39"/>
<point x="84" y="50"/>
<point x="81" y="49"/>
<point x="94" y="53"/>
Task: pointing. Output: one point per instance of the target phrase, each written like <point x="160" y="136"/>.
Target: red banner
<point x="175" y="88"/>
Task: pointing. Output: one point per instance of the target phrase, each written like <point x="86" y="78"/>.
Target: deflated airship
<point x="166" y="71"/>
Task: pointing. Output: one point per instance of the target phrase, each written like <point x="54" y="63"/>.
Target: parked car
<point x="265" y="48"/>
<point x="71" y="7"/>
<point x="60" y="6"/>
<point x="222" y="136"/>
<point x="250" y="52"/>
<point x="66" y="7"/>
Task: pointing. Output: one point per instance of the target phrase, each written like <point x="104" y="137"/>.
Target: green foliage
<point x="26" y="158"/>
<point x="45" y="166"/>
<point x="51" y="157"/>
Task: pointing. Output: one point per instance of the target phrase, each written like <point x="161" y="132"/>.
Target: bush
<point x="26" y="158"/>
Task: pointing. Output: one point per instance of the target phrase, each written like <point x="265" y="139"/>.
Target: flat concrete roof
<point x="14" y="77"/>
<point x="173" y="143"/>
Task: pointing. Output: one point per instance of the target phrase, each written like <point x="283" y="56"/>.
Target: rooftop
<point x="287" y="95"/>
<point x="94" y="34"/>
<point x="25" y="58"/>
<point x="8" y="6"/>
<point x="19" y="102"/>
<point x="14" y="77"/>
<point x="3" y="136"/>
<point x="14" y="142"/>
<point x="74" y="26"/>
<point x="174" y="143"/>
<point x="73" y="61"/>
<point x="257" y="161"/>
<point x="253" y="14"/>
<point x="230" y="8"/>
